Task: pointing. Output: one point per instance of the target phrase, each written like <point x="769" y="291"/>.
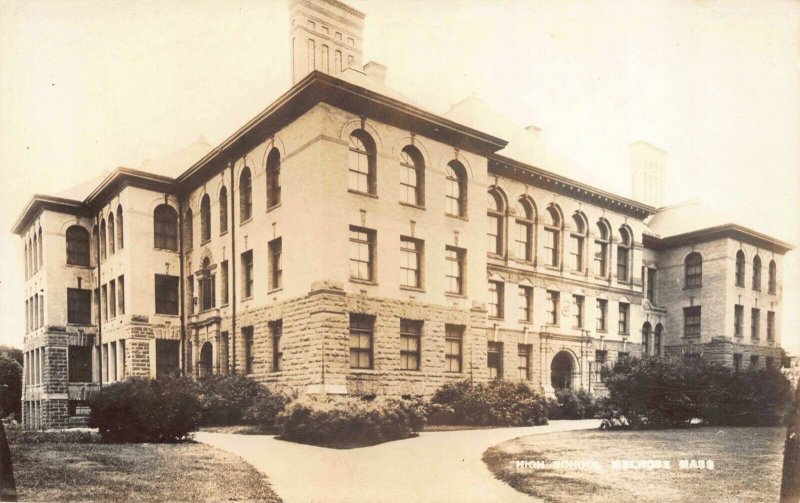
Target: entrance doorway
<point x="562" y="371"/>
<point x="206" y="360"/>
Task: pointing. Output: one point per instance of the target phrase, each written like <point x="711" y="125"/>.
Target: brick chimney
<point x="647" y="164"/>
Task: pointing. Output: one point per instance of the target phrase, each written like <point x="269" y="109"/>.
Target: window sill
<point x="273" y="207"/>
<point x="78" y="266"/>
<point x="170" y="314"/>
<point x="457" y="217"/>
<point x="411" y="205"/>
<point x="526" y="322"/>
<point x="363" y="281"/>
<point x="203" y="243"/>
<point x="412" y="288"/>
<point x="223" y="233"/>
<point x="552" y="267"/>
<point x="245" y="299"/>
<point x="692" y="287"/>
<point x="366" y="194"/>
<point x="156" y="248"/>
<point x="455" y="295"/>
<point x="757" y="290"/>
<point x="364" y="371"/>
<point x="495" y="318"/>
<point x="410" y="371"/>
<point x="275" y="290"/>
<point x="245" y="222"/>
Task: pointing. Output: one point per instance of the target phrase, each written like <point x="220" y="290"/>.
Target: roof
<point x="173" y="165"/>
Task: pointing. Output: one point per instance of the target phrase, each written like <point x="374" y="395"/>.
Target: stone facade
<point x="252" y="270"/>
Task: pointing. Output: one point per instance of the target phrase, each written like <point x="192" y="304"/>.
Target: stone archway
<point x="563" y="371"/>
<point x="205" y="366"/>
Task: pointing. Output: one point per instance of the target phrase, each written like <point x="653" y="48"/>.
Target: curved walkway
<point x="434" y="467"/>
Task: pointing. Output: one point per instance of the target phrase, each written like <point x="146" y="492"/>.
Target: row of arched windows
<point x="33" y="254"/>
<point x="576" y="242"/>
<point x="109" y="237"/>
<point x="772" y="284"/>
<point x="647" y="332"/>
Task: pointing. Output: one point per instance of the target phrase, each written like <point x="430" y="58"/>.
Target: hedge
<point x="498" y="403"/>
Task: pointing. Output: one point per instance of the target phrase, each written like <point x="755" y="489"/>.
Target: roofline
<point x="318" y="87"/>
<point x="729" y="230"/>
<point x="38" y="202"/>
<point x="570" y="187"/>
<point x="121" y="173"/>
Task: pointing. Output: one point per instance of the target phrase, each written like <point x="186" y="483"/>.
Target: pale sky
<point x="86" y="86"/>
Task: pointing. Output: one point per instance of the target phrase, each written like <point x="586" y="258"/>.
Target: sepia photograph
<point x="378" y="251"/>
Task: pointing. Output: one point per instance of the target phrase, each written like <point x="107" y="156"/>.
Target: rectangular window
<point x="455" y="269"/>
<point x="79" y="306"/>
<point x="602" y="311"/>
<point x="576" y="253"/>
<point x="453" y="338"/>
<point x="112" y="298"/>
<point x="78" y="408"/>
<point x="494" y="358"/>
<point x="121" y="294"/>
<point x="208" y="289"/>
<point x="551" y="247"/>
<point x="275" y="264"/>
<point x="525" y="303"/>
<point x="600" y="258"/>
<point x="190" y="287"/>
<point x="224" y="281"/>
<point x="754" y="361"/>
<point x="496" y="291"/>
<point x="600" y="357"/>
<point x="166" y="294"/>
<point x="770" y="325"/>
<point x="552" y="307"/>
<point x="523" y="239"/>
<point x="276" y="330"/>
<point x="738" y="320"/>
<point x="524" y="361"/>
<point x="410" y="335"/>
<point x="104" y="301"/>
<point x="96" y="305"/>
<point x="80" y="363"/>
<point x="737" y="362"/>
<point x="691" y="321"/>
<point x="362" y="254"/>
<point x="361" y="327"/>
<point x="167" y="358"/>
<point x="247" y="274"/>
<point x="622" y="263"/>
<point x="410" y="262"/>
<point x="624" y="311"/>
<point x="755" y="323"/>
<point x="651" y="285"/>
<point x="249" y="354"/>
<point x="577" y="311"/>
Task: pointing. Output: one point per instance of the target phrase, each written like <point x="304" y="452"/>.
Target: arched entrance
<point x="205" y="366"/>
<point x="646" y="329"/>
<point x="657" y="335"/>
<point x="562" y="371"/>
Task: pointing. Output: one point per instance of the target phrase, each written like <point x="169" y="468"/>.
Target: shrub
<point x="572" y="404"/>
<point x="143" y="410"/>
<point x="660" y="393"/>
<point x="337" y="421"/>
<point x="236" y="399"/>
<point x="498" y="403"/>
<point x="11" y="380"/>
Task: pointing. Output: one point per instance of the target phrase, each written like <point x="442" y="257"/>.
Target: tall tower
<point x="647" y="165"/>
<point x="327" y="35"/>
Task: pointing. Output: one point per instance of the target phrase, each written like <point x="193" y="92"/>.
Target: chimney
<point x="326" y="36"/>
<point x="376" y="71"/>
<point x="647" y="164"/>
<point x="534" y="131"/>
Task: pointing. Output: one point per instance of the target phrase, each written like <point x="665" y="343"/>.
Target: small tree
<point x="11" y="381"/>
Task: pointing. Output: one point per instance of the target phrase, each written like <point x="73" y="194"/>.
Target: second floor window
<point x="770" y="325"/>
<point x="245" y="195"/>
<point x="773" y="277"/>
<point x="273" y="178"/>
<point x="552" y="237"/>
<point x="523" y="236"/>
<point x="624" y="318"/>
<point x="247" y="274"/>
<point x="79" y="306"/>
<point x="362" y="254"/>
<point x="577" y="240"/>
<point x="223" y="210"/>
<point x="454" y="269"/>
<point x="224" y="282"/>
<point x="740" y="268"/>
<point x="651" y="285"/>
<point x="77" y="246"/>
<point x="692" y="321"/>
<point x="755" y="323"/>
<point x="602" y="310"/>
<point x="455" y="189"/>
<point x="738" y="320"/>
<point x="412" y="176"/>
<point x="552" y="307"/>
<point x="207" y="287"/>
<point x="361" y="161"/>
<point x="577" y="311"/>
<point x="80" y="363"/>
<point x="205" y="219"/>
<point x="623" y="255"/>
<point x="166" y="294"/>
<point x="165" y="228"/>
<point x="495" y="299"/>
<point x="757" y="273"/>
<point x="525" y="303"/>
<point x="276" y="263"/>
<point x="410" y="262"/>
<point x="693" y="268"/>
<point x="601" y="250"/>
<point x="495" y="213"/>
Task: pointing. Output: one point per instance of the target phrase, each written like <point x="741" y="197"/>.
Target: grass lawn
<point x="61" y="471"/>
<point x="747" y="465"/>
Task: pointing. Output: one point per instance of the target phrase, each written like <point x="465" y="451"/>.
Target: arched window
<point x="273" y="178"/>
<point x="773" y="277"/>
<point x="646" y="328"/>
<point x="27" y="261"/>
<point x="740" y="268"/>
<point x="188" y="229"/>
<point x="165" y="228"/>
<point x="412" y="176"/>
<point x="657" y="339"/>
<point x="207" y="287"/>
<point x="245" y="195"/>
<point x="40" y="248"/>
<point x="624" y="255"/>
<point x="577" y="240"/>
<point x="111" y="234"/>
<point x="524" y="233"/>
<point x="95" y="243"/>
<point x="552" y="236"/>
<point x="361" y="160"/>
<point x="77" y="246"/>
<point x="495" y="212"/>
<point x="757" y="273"/>
<point x="205" y="219"/>
<point x="693" y="270"/>
<point x="120" y="234"/>
<point x="103" y="239"/>
<point x="601" y="249"/>
<point x="223" y="210"/>
<point x="455" y="189"/>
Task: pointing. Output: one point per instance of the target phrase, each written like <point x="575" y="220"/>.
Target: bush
<point x="571" y="404"/>
<point x="11" y="378"/>
<point x="143" y="410"/>
<point x="237" y="399"/>
<point x="498" y="403"/>
<point x="661" y="393"/>
<point x="338" y="421"/>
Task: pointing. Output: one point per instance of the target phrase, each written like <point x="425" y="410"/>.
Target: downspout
<point x="233" y="271"/>
<point x="99" y="304"/>
<point x="182" y="286"/>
